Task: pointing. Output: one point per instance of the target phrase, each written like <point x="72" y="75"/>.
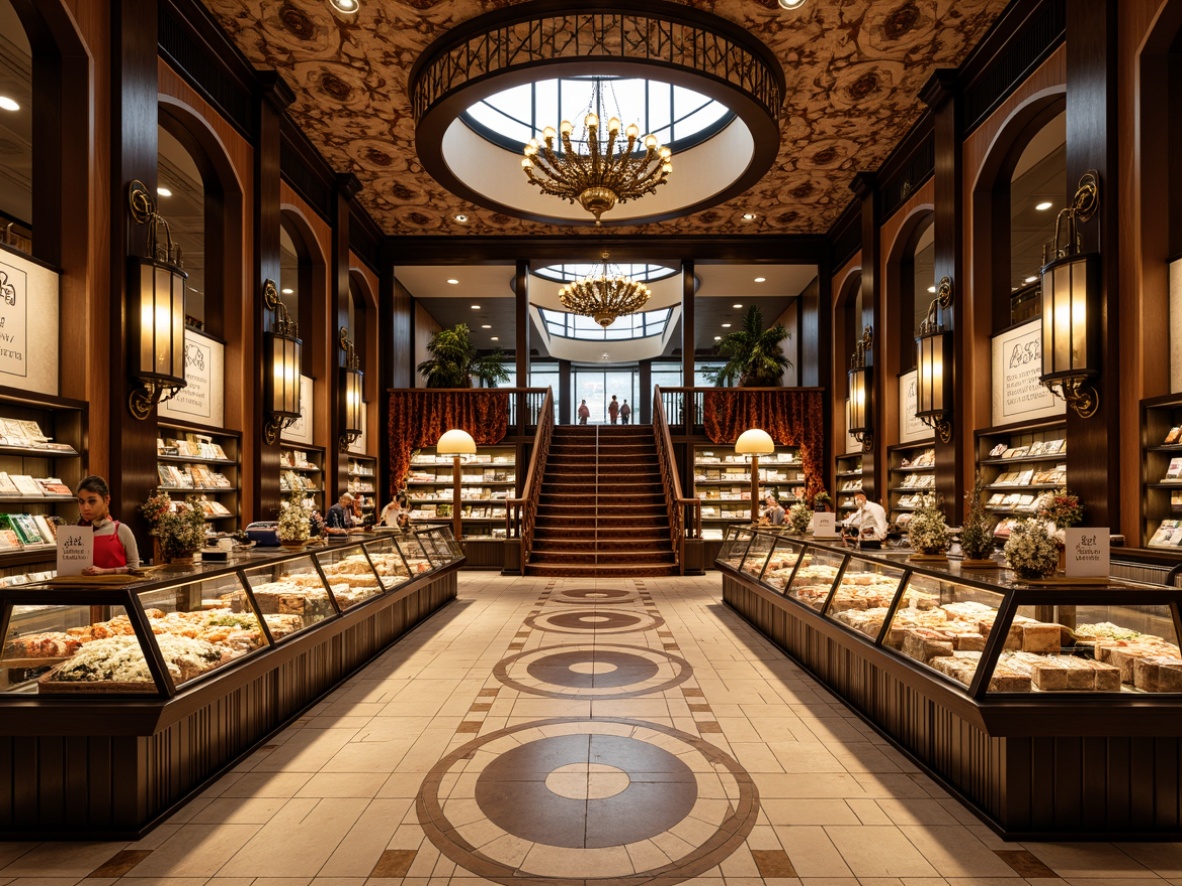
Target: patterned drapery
<point x="791" y="417"/>
<point x="419" y="418"/>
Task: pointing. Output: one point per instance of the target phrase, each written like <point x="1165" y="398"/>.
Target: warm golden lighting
<point x="281" y="386"/>
<point x="933" y="352"/>
<point x="604" y="296"/>
<point x="609" y="173"/>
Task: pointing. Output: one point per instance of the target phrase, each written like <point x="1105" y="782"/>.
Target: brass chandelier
<point x="607" y="174"/>
<point x="604" y="296"/>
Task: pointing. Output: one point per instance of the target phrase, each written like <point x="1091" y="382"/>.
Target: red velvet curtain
<point x="792" y="418"/>
<point x="419" y="418"/>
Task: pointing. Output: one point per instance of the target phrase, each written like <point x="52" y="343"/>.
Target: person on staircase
<point x="625" y="413"/>
<point x="613" y="409"/>
<point x="584" y="412"/>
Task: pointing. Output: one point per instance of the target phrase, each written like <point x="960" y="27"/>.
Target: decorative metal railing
<point x="685" y="514"/>
<point x="520" y="513"/>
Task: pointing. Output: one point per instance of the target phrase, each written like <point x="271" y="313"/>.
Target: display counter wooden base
<point x="111" y="769"/>
<point x="1034" y="767"/>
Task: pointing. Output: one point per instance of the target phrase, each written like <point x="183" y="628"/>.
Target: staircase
<point x="602" y="511"/>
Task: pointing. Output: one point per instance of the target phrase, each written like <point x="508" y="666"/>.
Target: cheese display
<point x="812" y="582"/>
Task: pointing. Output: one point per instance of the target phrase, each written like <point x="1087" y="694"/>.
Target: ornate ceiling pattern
<point x="853" y="69"/>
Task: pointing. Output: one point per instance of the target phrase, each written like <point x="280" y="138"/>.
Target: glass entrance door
<point x="597" y="386"/>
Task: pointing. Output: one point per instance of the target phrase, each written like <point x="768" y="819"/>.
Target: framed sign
<point x="911" y="428"/>
<point x="1017" y="363"/>
<point x="301" y="430"/>
<point x="203" y="397"/>
<point x="28" y="325"/>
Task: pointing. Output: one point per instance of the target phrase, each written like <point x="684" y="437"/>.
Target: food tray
<point x="89" y="581"/>
<point x="46" y="684"/>
<point x="42" y="661"/>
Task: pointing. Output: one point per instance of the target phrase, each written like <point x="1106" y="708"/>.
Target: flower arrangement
<point x="294" y="521"/>
<point x="1030" y="551"/>
<point x="1061" y="508"/>
<point x="927" y="530"/>
<point x="799" y="517"/>
<point x="976" y="533"/>
<point x="178" y="526"/>
<point x="822" y="501"/>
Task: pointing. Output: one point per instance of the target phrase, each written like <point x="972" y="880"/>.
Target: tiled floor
<point x="564" y="731"/>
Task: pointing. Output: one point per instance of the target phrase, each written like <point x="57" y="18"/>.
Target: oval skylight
<point x="568" y="273"/>
<point x="680" y="118"/>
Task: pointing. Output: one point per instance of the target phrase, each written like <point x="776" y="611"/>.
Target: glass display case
<point x="292" y="588"/>
<point x="781" y="563"/>
<point x="864" y="594"/>
<point x="440" y="544"/>
<point x="757" y="553"/>
<point x="734" y="546"/>
<point x="387" y="561"/>
<point x="350" y="575"/>
<point x="814" y="576"/>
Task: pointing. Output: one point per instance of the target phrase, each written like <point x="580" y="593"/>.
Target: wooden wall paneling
<point x="840" y="285"/>
<point x="521" y="325"/>
<point x="688" y="336"/>
<point x="369" y="337"/>
<point x="984" y="276"/>
<point x="1093" y="455"/>
<point x="336" y="463"/>
<point x="864" y="187"/>
<point x="1149" y="108"/>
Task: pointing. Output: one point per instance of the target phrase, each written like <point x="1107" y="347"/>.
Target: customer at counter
<point x="867" y="525"/>
<point x="115" y="548"/>
<point x="340" y="519"/>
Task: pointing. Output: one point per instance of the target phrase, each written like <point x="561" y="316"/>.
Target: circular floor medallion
<point x="597" y="671"/>
<point x="597" y="621"/>
<point x="564" y="801"/>
<point x="603" y="596"/>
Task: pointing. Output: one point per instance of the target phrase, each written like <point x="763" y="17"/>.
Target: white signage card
<point x="75" y="549"/>
<point x="824" y="524"/>
<point x="28" y="325"/>
<point x="357" y="447"/>
<point x="1087" y="552"/>
<point x="911" y="428"/>
<point x="1017" y="364"/>
<point x="301" y="430"/>
<point x="203" y="397"/>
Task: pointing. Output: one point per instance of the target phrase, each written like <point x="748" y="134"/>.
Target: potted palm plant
<point x="753" y="354"/>
<point x="454" y="361"/>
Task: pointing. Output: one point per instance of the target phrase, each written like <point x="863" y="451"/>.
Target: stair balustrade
<point x="521" y="513"/>
<point x="685" y="513"/>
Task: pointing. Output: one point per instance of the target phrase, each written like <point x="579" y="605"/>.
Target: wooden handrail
<point x="678" y="506"/>
<point x="520" y="513"/>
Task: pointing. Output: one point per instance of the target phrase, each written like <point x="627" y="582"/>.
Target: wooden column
<point x="940" y="94"/>
<point x="262" y="470"/>
<point x="643" y="414"/>
<point x="131" y="444"/>
<point x="874" y="476"/>
<point x="1093" y="451"/>
<point x="521" y="324"/>
<point x="336" y="467"/>
<point x="566" y="407"/>
<point x="394" y="308"/>
<point x="687" y="342"/>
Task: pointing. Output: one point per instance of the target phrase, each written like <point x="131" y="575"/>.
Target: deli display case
<point x="1050" y="709"/>
<point x="118" y="701"/>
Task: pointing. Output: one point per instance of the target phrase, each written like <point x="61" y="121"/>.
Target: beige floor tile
<point x="1163" y="858"/>
<point x="868" y="811"/>
<point x="1089" y="861"/>
<point x="267" y="784"/>
<point x="954" y="852"/>
<point x="197" y="850"/>
<point x="239" y="810"/>
<point x="301" y="837"/>
<point x="891" y="785"/>
<point x="811" y="852"/>
<point x="916" y="810"/>
<point x="808" y="812"/>
<point x="340" y="784"/>
<point x="57" y="860"/>
<point x="879" y="851"/>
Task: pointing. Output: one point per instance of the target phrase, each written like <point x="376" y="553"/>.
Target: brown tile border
<point x="709" y="726"/>
<point x="394" y="863"/>
<point x="683" y="671"/>
<point x="477" y="707"/>
<point x="691" y="692"/>
<point x="1025" y="863"/>
<point x="700" y="708"/>
<point x="471" y="727"/>
<point x="773" y="863"/>
<point x="120" y="864"/>
<point x="488" y="692"/>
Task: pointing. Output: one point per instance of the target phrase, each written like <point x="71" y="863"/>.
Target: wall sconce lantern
<point x="934" y="366"/>
<point x="860" y="387"/>
<point x="1071" y="310"/>
<point x="754" y="442"/>
<point x="457" y="444"/>
<point x="281" y="372"/>
<point x="157" y="328"/>
<point x="352" y="402"/>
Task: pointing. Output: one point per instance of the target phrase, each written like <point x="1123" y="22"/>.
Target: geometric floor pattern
<point x="570" y="731"/>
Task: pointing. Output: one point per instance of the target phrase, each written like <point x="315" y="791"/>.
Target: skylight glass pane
<point x="659" y="113"/>
<point x="546" y="102"/>
<point x="630" y="326"/>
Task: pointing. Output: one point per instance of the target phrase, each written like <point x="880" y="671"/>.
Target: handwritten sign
<point x="29" y="295"/>
<point x="910" y="427"/>
<point x="75" y="549"/>
<point x="824" y="525"/>
<point x="1017" y="364"/>
<point x="1087" y="552"/>
<point x="203" y="396"/>
<point x="301" y="430"/>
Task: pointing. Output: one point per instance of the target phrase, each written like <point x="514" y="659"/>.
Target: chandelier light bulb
<point x="591" y="121"/>
<point x="604" y="296"/>
<point x="346" y="6"/>
<point x="613" y="125"/>
<point x="633" y="131"/>
<point x="548" y="133"/>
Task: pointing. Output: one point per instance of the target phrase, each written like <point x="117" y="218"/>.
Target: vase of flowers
<point x="295" y="526"/>
<point x="823" y="501"/>
<point x="799" y="517"/>
<point x="178" y="528"/>
<point x="1031" y="552"/>
<point x="927" y="530"/>
<point x="1061" y="509"/>
<point x="976" y="533"/>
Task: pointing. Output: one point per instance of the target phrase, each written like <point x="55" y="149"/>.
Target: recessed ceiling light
<point x="461" y="218"/>
<point x="476" y="307"/>
<point x="726" y="326"/>
<point x="163" y="192"/>
<point x="1030" y="280"/>
<point x="495" y="338"/>
<point x="485" y="326"/>
<point x="931" y="289"/>
<point x="791" y="4"/>
<point x="1044" y="205"/>
<point x="453" y="282"/>
<point x="749" y="216"/>
<point x="287" y="291"/>
<point x="718" y="338"/>
<point x="8" y="104"/>
<point x="346" y="6"/>
<point x="761" y="279"/>
<point x="736" y="306"/>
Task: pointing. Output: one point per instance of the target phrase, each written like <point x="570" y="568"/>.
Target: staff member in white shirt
<point x="868" y="523"/>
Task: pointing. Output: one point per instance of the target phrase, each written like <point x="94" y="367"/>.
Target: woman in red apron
<point x="115" y="549"/>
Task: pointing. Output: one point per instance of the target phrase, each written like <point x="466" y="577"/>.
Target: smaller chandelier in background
<point x="604" y="296"/>
<point x="609" y="173"/>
